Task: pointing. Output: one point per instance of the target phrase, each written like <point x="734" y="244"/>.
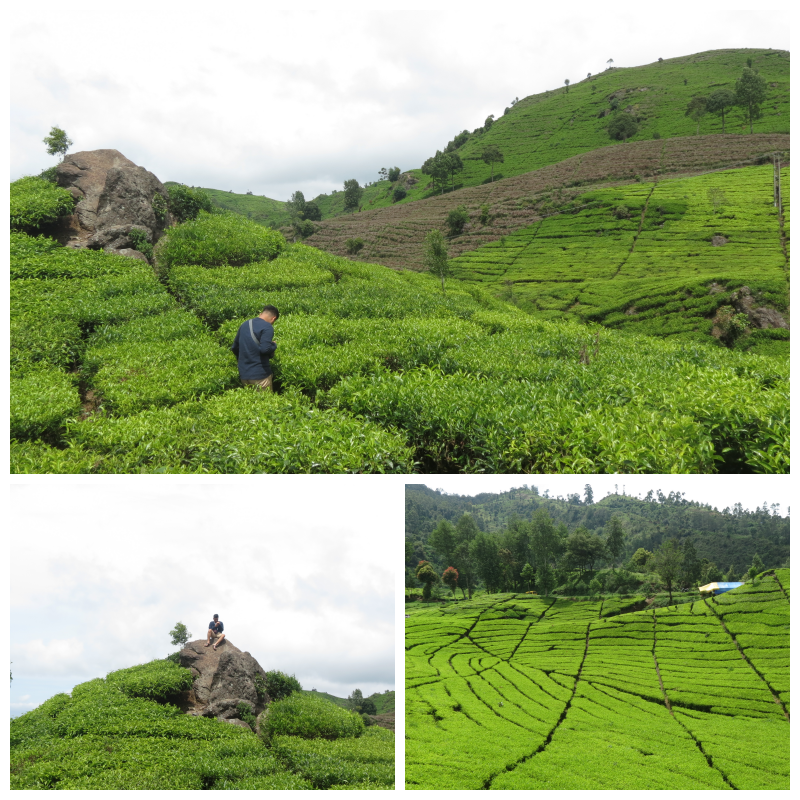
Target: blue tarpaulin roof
<point x="721" y="586"/>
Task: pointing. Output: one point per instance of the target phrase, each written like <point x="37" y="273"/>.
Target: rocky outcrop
<point x="114" y="196"/>
<point x="762" y="317"/>
<point x="223" y="678"/>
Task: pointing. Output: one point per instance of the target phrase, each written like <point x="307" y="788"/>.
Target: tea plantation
<point x="652" y="257"/>
<point x="120" y="368"/>
<point x="515" y="692"/>
<point x="121" y="732"/>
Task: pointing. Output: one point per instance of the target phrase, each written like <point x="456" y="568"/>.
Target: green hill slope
<point x="260" y="209"/>
<point x="574" y="695"/>
<point x="376" y="371"/>
<point x="124" y="732"/>
<point x="660" y="258"/>
<point x="547" y="128"/>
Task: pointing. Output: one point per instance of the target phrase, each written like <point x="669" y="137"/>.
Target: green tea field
<point x="522" y="692"/>
<point x="123" y="732"/>
<point x="651" y="257"/>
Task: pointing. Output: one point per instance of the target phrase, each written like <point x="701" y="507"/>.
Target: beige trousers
<point x="265" y="384"/>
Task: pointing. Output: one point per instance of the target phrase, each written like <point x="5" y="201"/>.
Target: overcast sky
<point x="717" y="490"/>
<point x="301" y="569"/>
<point x="250" y="98"/>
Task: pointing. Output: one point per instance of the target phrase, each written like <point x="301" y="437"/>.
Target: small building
<point x="718" y="587"/>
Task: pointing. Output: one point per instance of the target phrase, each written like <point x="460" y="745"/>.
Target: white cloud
<point x="38" y="658"/>
<point x="272" y="101"/>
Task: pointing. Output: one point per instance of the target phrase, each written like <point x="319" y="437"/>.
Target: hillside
<point x="384" y="701"/>
<point x="725" y="536"/>
<point x="514" y="692"/>
<point x="260" y="209"/>
<point x="550" y="127"/>
<point x="132" y="730"/>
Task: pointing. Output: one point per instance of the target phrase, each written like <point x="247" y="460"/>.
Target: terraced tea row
<point x="565" y="698"/>
<point x="657" y="258"/>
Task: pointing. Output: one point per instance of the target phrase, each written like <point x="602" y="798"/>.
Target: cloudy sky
<point x="249" y="97"/>
<point x="717" y="490"/>
<point x="299" y="568"/>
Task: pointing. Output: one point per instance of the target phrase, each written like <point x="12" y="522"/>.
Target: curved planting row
<point x="692" y="696"/>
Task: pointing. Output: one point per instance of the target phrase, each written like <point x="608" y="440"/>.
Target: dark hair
<point x="272" y="310"/>
<point x="216" y="615"/>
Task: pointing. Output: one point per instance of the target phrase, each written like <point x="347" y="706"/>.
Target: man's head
<point x="269" y="314"/>
<point x="216" y="616"/>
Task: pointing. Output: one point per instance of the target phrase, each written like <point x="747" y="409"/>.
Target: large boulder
<point x="763" y="317"/>
<point x="113" y="195"/>
<point x="223" y="678"/>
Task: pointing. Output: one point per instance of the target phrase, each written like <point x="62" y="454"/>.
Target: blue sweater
<point x="254" y="356"/>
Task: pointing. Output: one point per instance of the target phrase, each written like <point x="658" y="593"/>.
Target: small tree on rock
<point x="57" y="142"/>
<point x="180" y="634"/>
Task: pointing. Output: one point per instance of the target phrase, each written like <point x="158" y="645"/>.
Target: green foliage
<point x="491" y="155"/>
<point x="180" y="634"/>
<point x="484" y="214"/>
<point x="622" y="126"/>
<point x="214" y="240"/>
<point x="457" y="218"/>
<point x="277" y="685"/>
<point x="160" y="208"/>
<point x="43" y="399"/>
<point x="398" y="193"/>
<point x="353" y="246"/>
<point x="138" y="240"/>
<point x="435" y="257"/>
<point x="312" y="211"/>
<point x="751" y="92"/>
<point x="697" y="109"/>
<point x="352" y="194"/>
<point x="719" y="102"/>
<point x="309" y="717"/>
<point x="393" y="174"/>
<point x="157" y="680"/>
<point x="36" y="202"/>
<point x="581" y="677"/>
<point x="245" y="711"/>
<point x="184" y="203"/>
<point x="428" y="577"/>
<point x="57" y="141"/>
<point x="344" y="763"/>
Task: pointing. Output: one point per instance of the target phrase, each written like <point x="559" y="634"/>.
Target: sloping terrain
<point x="514" y="692"/>
<point x="394" y="236"/>
<point x="550" y="127"/>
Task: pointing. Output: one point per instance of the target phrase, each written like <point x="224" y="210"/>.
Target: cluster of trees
<point x="750" y="91"/>
<point x="360" y="704"/>
<point x="531" y="554"/>
<point x="302" y="214"/>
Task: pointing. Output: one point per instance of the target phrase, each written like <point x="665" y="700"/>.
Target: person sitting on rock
<point x="215" y="632"/>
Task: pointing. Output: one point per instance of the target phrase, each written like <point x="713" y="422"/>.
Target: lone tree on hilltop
<point x="622" y="126"/>
<point x="566" y="84"/>
<point x="491" y="155"/>
<point x="394" y="174"/>
<point x="435" y="256"/>
<point x="450" y="579"/>
<point x="180" y="634"/>
<point x="488" y="122"/>
<point x="719" y="102"/>
<point x="697" y="110"/>
<point x="427" y="576"/>
<point x="609" y="62"/>
<point x="352" y="194"/>
<point x="668" y="563"/>
<point x="57" y="142"/>
<point x="751" y="92"/>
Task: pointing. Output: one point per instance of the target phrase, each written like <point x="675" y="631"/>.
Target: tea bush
<point x="42" y="400"/>
<point x="186" y="203"/>
<point x="214" y="240"/>
<point x="278" y="685"/>
<point x="309" y="717"/>
<point x="363" y="763"/>
<point x="156" y="680"/>
<point x="36" y="202"/>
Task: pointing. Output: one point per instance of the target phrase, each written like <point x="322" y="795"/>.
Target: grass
<point x="567" y="697"/>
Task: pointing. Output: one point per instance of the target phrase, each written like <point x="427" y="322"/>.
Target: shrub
<point x="457" y="219"/>
<point x="305" y="228"/>
<point x="310" y="717"/>
<point x="311" y="211"/>
<point x="399" y="193"/>
<point x="394" y="174"/>
<point x="485" y="214"/>
<point x="214" y="240"/>
<point x="36" y="202"/>
<point x="156" y="680"/>
<point x="138" y="239"/>
<point x="245" y="711"/>
<point x="42" y="400"/>
<point x="277" y="685"/>
<point x="353" y="246"/>
<point x="185" y="203"/>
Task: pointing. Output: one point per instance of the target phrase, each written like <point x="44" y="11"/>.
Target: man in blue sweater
<point x="253" y="348"/>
